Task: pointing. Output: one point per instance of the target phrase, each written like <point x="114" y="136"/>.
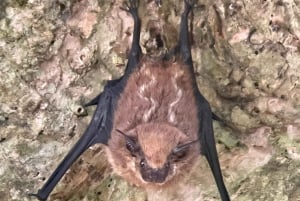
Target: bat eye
<point x="180" y="152"/>
<point x="130" y="145"/>
<point x="167" y="165"/>
<point x="143" y="163"/>
<point x="178" y="156"/>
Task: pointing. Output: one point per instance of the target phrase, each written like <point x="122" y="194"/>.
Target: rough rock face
<point x="56" y="55"/>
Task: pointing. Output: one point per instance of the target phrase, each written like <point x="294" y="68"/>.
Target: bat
<point x="153" y="120"/>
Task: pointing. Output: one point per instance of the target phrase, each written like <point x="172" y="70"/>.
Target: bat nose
<point x="155" y="175"/>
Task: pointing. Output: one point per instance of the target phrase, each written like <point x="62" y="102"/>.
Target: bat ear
<point x="183" y="147"/>
<point x="131" y="142"/>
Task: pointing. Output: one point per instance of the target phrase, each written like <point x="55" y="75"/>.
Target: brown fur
<point x="158" y="108"/>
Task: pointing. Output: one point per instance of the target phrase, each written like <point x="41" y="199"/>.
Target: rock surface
<point x="57" y="55"/>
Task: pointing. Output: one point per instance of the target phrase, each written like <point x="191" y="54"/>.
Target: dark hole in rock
<point x="256" y="110"/>
<point x="159" y="41"/>
<point x="283" y="97"/>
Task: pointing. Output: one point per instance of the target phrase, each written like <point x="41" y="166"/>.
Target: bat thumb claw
<point x="37" y="196"/>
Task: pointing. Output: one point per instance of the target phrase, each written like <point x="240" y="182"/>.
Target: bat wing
<point x="208" y="146"/>
<point x="100" y="126"/>
<point x="206" y="134"/>
<point x="98" y="131"/>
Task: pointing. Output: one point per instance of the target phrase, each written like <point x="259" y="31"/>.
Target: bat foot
<point x="130" y="6"/>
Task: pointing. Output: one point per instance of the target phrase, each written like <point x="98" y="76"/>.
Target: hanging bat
<point x="153" y="120"/>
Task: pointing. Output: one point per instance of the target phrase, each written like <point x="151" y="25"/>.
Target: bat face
<point x="155" y="123"/>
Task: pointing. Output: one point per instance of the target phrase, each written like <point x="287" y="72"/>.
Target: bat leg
<point x="184" y="46"/>
<point x="131" y="6"/>
<point x="134" y="57"/>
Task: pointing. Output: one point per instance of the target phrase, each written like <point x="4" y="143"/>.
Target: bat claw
<point x="36" y="195"/>
<point x="158" y="3"/>
<point x="130" y="6"/>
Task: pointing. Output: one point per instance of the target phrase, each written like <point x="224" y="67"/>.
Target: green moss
<point x="101" y="193"/>
<point x="228" y="140"/>
<point x="24" y="149"/>
<point x="19" y="3"/>
<point x="276" y="179"/>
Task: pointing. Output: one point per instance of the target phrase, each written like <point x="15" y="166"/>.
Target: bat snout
<point x="155" y="175"/>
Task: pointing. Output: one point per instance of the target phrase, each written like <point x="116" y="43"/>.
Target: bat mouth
<point x="155" y="175"/>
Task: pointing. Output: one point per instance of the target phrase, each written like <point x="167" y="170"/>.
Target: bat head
<point x="156" y="153"/>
